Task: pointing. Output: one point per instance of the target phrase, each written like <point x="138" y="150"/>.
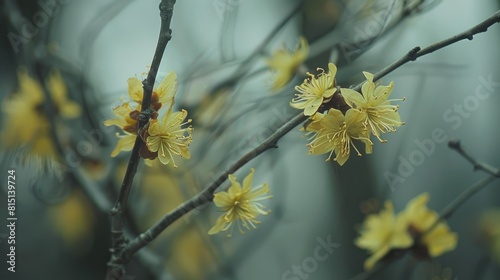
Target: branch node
<point x="454" y="144"/>
<point x="413" y="53"/>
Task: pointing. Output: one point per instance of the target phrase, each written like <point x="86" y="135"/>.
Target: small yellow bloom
<point x="59" y="92"/>
<point x="168" y="138"/>
<point x="380" y="116"/>
<point x="161" y="95"/>
<point x="419" y="219"/>
<point x="314" y="91"/>
<point x="241" y="205"/>
<point x="384" y="232"/>
<point x="381" y="233"/>
<point x="126" y="119"/>
<point x="334" y="133"/>
<point x="74" y="208"/>
<point x="286" y="63"/>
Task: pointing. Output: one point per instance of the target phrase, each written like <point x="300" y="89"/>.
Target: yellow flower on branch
<point x="408" y="230"/>
<point x="162" y="95"/>
<point x="240" y="204"/>
<point x="126" y="119"/>
<point x="315" y="90"/>
<point x="419" y="219"/>
<point x="379" y="114"/>
<point x="168" y="138"/>
<point x="381" y="233"/>
<point x="285" y="63"/>
<point x="127" y="116"/>
<point x="334" y="133"/>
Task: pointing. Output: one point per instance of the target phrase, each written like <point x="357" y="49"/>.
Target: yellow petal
<point x="353" y="98"/>
<point x="247" y="182"/>
<point x="222" y="199"/>
<point x="219" y="225"/>
<point x="153" y="143"/>
<point x="126" y="143"/>
<point x="135" y="90"/>
<point x="440" y="240"/>
<point x="166" y="89"/>
<point x="312" y="106"/>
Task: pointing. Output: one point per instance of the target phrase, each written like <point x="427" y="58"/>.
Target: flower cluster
<point x="162" y="139"/>
<point x="351" y="115"/>
<point x="286" y="63"/>
<point x="28" y="103"/>
<point x="416" y="228"/>
<point x="240" y="205"/>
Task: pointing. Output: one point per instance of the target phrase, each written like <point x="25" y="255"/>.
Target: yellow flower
<point x="381" y="233"/>
<point x="335" y="133"/>
<point x="127" y="121"/>
<point x="168" y="138"/>
<point x="24" y="105"/>
<point x="385" y="232"/>
<point x="314" y="91"/>
<point x="127" y="116"/>
<point x="241" y="205"/>
<point x="419" y="219"/>
<point x="380" y="116"/>
<point x="161" y="96"/>
<point x="59" y="93"/>
<point x="74" y="208"/>
<point x="286" y="63"/>
<point x="27" y="104"/>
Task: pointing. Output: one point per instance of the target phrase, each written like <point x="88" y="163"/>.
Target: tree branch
<point x="455" y="145"/>
<point x="417" y="52"/>
<point x="116" y="266"/>
<point x="206" y="195"/>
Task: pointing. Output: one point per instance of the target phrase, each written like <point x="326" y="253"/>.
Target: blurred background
<point x="64" y="66"/>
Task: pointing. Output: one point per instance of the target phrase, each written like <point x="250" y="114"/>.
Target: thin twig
<point x="478" y="165"/>
<point x="116" y="266"/>
<point x="417" y="52"/>
<point x="469" y="192"/>
<point x="245" y="65"/>
<point x="207" y="194"/>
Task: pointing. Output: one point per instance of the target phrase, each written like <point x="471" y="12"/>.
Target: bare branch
<point x="478" y="165"/>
